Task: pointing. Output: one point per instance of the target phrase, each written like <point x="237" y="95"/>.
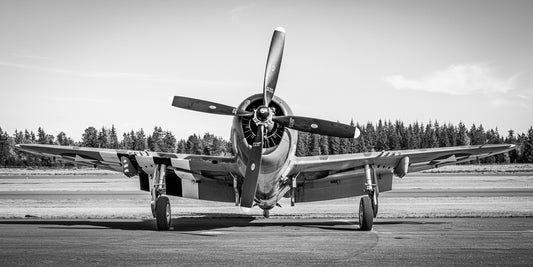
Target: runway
<point x="249" y="241"/>
<point x="428" y="219"/>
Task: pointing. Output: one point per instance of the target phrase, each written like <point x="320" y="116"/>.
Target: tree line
<point x="380" y="136"/>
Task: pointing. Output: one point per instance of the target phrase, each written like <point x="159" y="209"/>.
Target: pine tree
<point x="133" y="138"/>
<point x="477" y="135"/>
<point x="393" y="137"/>
<point x="19" y="137"/>
<point x="528" y="147"/>
<point x="41" y="136"/>
<point x="181" y="147"/>
<point x="103" y="138"/>
<point x="463" y="138"/>
<point x="194" y="145"/>
<point x="208" y="144"/>
<point x="443" y="137"/>
<point x="113" y="138"/>
<point x="140" y="140"/>
<point x="370" y="137"/>
<point x="382" y="143"/>
<point x="452" y="135"/>
<point x="4" y="147"/>
<point x="511" y="139"/>
<point x="169" y="142"/>
<point x="219" y="147"/>
<point x="157" y="139"/>
<point x="360" y="144"/>
<point x="127" y="141"/>
<point x="345" y="145"/>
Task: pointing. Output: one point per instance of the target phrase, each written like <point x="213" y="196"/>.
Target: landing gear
<point x="374" y="198"/>
<point x="266" y="213"/>
<point x="160" y="203"/>
<point x="368" y="206"/>
<point x="366" y="214"/>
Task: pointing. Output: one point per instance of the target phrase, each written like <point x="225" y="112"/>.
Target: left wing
<point x="111" y="159"/>
<point x="337" y="176"/>
<point x="191" y="176"/>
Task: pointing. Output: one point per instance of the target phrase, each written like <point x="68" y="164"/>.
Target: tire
<point x="163" y="216"/>
<point x="375" y="204"/>
<point x="366" y="214"/>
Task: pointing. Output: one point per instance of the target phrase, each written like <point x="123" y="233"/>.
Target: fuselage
<point x="278" y="151"/>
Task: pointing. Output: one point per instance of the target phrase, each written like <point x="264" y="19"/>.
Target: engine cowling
<point x="249" y="128"/>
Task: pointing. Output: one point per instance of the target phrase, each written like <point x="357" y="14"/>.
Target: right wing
<point x="338" y="176"/>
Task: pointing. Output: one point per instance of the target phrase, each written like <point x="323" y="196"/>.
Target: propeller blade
<point x="318" y="126"/>
<point x="273" y="64"/>
<point x="206" y="106"/>
<point x="252" y="171"/>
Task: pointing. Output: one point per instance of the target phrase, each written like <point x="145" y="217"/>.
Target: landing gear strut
<point x="160" y="202"/>
<point x="368" y="206"/>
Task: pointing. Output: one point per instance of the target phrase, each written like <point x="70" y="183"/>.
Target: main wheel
<point x="366" y="214"/>
<point x="162" y="213"/>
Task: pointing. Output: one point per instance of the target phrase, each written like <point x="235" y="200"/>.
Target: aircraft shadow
<point x="191" y="224"/>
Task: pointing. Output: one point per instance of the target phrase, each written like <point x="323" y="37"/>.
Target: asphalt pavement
<point x="252" y="241"/>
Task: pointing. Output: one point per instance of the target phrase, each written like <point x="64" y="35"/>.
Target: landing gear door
<point x="384" y="180"/>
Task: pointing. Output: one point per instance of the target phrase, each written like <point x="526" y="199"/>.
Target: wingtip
<point x="171" y="99"/>
<point x="357" y="133"/>
<point x="280" y="29"/>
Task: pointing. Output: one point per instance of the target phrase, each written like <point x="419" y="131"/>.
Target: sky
<point x="67" y="65"/>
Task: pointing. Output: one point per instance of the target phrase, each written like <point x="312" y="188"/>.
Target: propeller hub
<point x="263" y="116"/>
<point x="262" y="113"/>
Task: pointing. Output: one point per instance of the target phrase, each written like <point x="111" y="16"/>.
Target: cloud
<point x="457" y="80"/>
<point x="133" y="76"/>
<point x="237" y="13"/>
<point x="29" y="56"/>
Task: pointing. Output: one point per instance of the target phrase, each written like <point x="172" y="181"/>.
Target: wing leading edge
<point x="419" y="159"/>
<point x="144" y="161"/>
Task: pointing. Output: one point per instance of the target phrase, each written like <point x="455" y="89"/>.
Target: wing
<point x="192" y="176"/>
<point x="337" y="176"/>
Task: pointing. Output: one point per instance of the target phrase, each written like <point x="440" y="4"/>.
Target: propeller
<point x="206" y="106"/>
<point x="275" y="53"/>
<point x="263" y="117"/>
<point x="318" y="126"/>
<point x="252" y="170"/>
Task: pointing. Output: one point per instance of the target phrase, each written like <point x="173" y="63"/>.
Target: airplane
<point x="265" y="168"/>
